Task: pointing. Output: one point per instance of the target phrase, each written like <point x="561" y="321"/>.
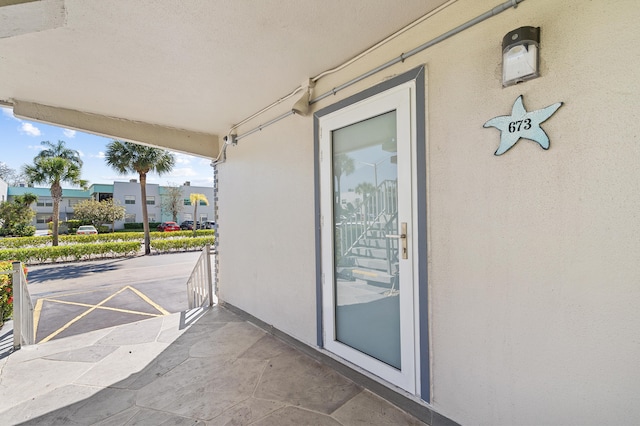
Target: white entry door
<point x="366" y="175"/>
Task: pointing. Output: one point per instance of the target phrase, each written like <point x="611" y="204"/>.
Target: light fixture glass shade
<point x="520" y="55"/>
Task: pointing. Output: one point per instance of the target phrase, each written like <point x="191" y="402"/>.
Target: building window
<point x="152" y="217"/>
<point x="73" y="202"/>
<point x="41" y="218"/>
<point x="151" y="201"/>
<point x="129" y="218"/>
<point x="187" y="202"/>
<point x="202" y="203"/>
<point x="129" y="199"/>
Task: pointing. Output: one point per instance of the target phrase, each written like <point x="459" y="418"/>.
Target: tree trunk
<point x="195" y="217"/>
<point x="56" y="195"/>
<point x="145" y="214"/>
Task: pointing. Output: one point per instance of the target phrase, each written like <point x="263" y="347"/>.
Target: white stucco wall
<point x="122" y="189"/>
<point x="533" y="271"/>
<point x="533" y="256"/>
<point x="266" y="228"/>
<point x="3" y="190"/>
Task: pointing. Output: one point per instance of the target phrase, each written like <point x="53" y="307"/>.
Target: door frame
<point x="419" y="211"/>
<point x="400" y="100"/>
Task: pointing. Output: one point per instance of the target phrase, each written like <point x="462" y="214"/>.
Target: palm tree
<point x="27" y="199"/>
<point x="365" y="189"/>
<point x="128" y="157"/>
<point x="342" y="165"/>
<point x="60" y="150"/>
<point x="52" y="166"/>
<point x="196" y="199"/>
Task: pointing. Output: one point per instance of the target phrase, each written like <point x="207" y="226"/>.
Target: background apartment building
<point x="126" y="194"/>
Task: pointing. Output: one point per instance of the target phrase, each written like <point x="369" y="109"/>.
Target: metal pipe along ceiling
<point x="493" y="12"/>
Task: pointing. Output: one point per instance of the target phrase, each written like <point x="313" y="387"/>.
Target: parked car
<point x="168" y="227"/>
<point x="209" y="224"/>
<point x="186" y="225"/>
<point x="86" y="230"/>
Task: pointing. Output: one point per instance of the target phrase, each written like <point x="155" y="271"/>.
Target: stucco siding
<point x="533" y="255"/>
<point x="266" y="234"/>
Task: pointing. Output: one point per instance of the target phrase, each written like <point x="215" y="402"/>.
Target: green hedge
<point x="97" y="238"/>
<point x="70" y="252"/>
<point x="181" y="244"/>
<point x="18" y="242"/>
<point x="140" y="225"/>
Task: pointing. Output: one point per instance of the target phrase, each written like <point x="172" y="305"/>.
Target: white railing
<point x="200" y="283"/>
<point x="23" y="333"/>
<point x="382" y="202"/>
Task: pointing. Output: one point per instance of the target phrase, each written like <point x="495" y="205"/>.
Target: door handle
<point x="403" y="239"/>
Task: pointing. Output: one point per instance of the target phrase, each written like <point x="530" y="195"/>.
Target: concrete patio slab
<point x="220" y="370"/>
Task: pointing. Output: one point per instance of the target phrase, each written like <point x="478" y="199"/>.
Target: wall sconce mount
<point x="520" y="55"/>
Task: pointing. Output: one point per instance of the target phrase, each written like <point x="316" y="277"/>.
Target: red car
<point x="168" y="227"/>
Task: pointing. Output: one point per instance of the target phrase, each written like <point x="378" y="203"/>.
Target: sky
<point x="20" y="142"/>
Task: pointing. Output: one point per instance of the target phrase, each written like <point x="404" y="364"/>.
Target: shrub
<point x="25" y="242"/>
<point x="181" y="244"/>
<point x="6" y="290"/>
<point x="71" y="252"/>
<point x="133" y="225"/>
<point x="85" y="247"/>
<point x="139" y="225"/>
<point x="20" y="242"/>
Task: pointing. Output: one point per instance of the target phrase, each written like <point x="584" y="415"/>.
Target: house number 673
<point x="515" y="126"/>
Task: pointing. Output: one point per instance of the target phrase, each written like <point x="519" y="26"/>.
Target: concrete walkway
<point x="221" y="370"/>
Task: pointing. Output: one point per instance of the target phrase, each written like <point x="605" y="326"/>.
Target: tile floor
<point x="222" y="370"/>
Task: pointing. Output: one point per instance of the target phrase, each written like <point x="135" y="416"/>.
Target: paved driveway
<point x="74" y="298"/>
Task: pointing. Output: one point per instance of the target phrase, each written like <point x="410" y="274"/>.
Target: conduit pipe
<point x="493" y="12"/>
<point x="344" y="65"/>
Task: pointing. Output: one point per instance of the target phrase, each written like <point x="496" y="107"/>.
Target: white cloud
<point x="35" y="147"/>
<point x="100" y="154"/>
<point x="80" y="152"/>
<point x="182" y="158"/>
<point x="69" y="133"/>
<point x="182" y="172"/>
<point x="29" y="129"/>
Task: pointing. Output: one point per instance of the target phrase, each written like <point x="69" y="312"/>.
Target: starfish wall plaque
<point x="522" y="124"/>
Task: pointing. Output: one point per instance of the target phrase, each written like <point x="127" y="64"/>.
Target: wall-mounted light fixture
<point x="520" y="55"/>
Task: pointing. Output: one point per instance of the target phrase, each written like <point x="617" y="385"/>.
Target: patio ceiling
<point x="177" y="73"/>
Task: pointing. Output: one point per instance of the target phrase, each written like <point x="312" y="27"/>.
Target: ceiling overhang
<point x="201" y="144"/>
<point x="19" y="17"/>
<point x="175" y="74"/>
